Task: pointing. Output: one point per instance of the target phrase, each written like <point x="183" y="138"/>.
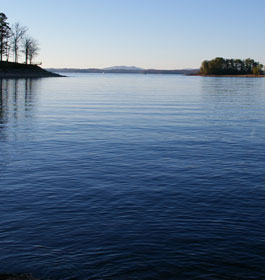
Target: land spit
<point x="20" y="70"/>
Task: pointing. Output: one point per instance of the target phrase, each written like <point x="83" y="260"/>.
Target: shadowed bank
<point x="19" y="70"/>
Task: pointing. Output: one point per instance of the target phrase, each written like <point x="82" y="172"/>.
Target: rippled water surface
<point x="133" y="177"/>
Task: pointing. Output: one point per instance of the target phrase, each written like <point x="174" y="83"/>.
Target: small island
<point x="231" y="68"/>
<point x="14" y="43"/>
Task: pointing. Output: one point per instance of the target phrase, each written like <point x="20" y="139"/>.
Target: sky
<point x="160" y="34"/>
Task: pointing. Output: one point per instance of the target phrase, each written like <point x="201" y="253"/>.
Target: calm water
<point x="133" y="177"/>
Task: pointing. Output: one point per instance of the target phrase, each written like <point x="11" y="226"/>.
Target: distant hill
<point x="124" y="70"/>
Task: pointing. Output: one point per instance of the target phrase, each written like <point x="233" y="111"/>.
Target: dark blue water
<point x="133" y="177"/>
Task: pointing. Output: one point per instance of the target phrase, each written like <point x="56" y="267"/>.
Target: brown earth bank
<point x="17" y="276"/>
<point x="20" y="70"/>
<point x="229" y="76"/>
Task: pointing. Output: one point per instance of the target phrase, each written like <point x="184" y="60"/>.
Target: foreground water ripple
<point x="132" y="177"/>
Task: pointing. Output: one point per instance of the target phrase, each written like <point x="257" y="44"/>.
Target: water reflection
<point x="234" y="90"/>
<point x="16" y="102"/>
<point x="233" y="97"/>
<point x="233" y="107"/>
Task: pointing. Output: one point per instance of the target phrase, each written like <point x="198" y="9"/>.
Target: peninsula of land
<point x="15" y="42"/>
<point x="21" y="70"/>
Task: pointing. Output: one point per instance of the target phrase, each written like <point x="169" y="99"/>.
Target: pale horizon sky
<point x="161" y="34"/>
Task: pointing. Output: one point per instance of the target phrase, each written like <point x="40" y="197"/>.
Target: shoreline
<point x="20" y="70"/>
<point x="27" y="75"/>
<point x="122" y="71"/>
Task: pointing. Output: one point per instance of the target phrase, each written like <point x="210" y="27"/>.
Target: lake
<point x="121" y="176"/>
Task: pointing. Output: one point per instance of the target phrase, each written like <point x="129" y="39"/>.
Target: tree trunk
<point x="1" y="52"/>
<point x="26" y="58"/>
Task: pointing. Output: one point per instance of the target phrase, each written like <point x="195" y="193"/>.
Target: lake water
<point x="133" y="177"/>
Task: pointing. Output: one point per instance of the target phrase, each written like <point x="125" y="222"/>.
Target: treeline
<point x="15" y="40"/>
<point x="221" y="66"/>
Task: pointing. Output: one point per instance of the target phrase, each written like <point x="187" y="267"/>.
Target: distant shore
<point x="124" y="71"/>
<point x="20" y="70"/>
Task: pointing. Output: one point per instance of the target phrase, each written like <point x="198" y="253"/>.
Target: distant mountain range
<point x="124" y="70"/>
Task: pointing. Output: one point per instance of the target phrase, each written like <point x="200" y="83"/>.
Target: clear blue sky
<point x="165" y="34"/>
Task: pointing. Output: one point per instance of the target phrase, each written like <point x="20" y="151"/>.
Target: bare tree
<point x="30" y="49"/>
<point x="33" y="50"/>
<point x="7" y="49"/>
<point x="25" y="48"/>
<point x="17" y="33"/>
